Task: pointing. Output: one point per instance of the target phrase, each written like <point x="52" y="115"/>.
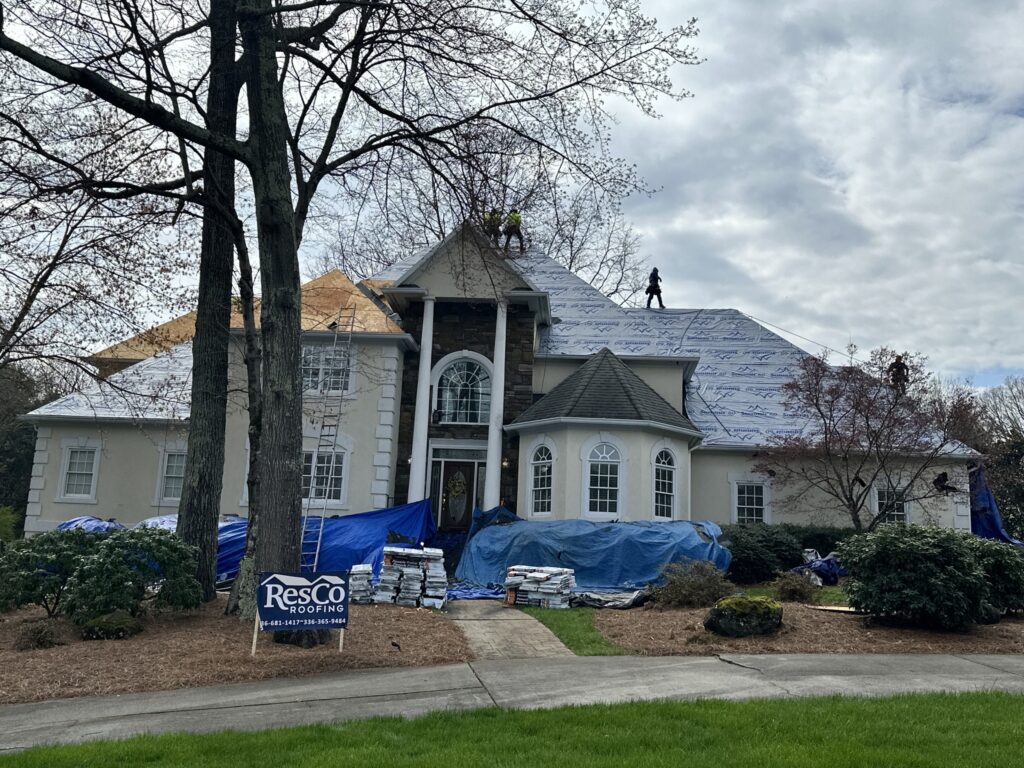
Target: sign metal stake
<point x="255" y="634"/>
<point x="341" y="639"/>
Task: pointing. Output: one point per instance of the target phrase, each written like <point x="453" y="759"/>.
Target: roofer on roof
<point x="492" y="225"/>
<point x="653" y="289"/>
<point x="513" y="227"/>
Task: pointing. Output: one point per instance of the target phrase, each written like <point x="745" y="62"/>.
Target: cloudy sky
<point x="848" y="171"/>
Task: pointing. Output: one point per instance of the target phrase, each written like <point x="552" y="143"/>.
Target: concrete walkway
<point x="495" y="631"/>
<point x="531" y="684"/>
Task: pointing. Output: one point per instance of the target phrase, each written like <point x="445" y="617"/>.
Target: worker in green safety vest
<point x="492" y="225"/>
<point x="513" y="227"/>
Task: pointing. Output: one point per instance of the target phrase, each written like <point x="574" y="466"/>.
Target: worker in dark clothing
<point x="899" y="375"/>
<point x="941" y="483"/>
<point x="514" y="228"/>
<point x="492" y="225"/>
<point x="653" y="289"/>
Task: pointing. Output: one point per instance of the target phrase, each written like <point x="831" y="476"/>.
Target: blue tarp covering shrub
<point x="605" y="556"/>
<point x="920" y="575"/>
<point x="759" y="552"/>
<point x="131" y="570"/>
<point x="36" y="571"/>
<point x="89" y="524"/>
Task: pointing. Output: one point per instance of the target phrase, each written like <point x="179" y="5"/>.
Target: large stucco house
<point x="471" y="377"/>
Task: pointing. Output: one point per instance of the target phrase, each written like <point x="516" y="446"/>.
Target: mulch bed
<point x="678" y="632"/>
<point x="205" y="647"/>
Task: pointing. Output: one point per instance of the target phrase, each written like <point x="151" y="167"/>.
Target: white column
<point x="492" y="476"/>
<point x="418" y="465"/>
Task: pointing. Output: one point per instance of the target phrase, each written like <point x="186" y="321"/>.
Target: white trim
<point x="622" y="502"/>
<point x="749" y="478"/>
<point x="67" y="445"/>
<point x="547" y="442"/>
<point x="529" y="426"/>
<point x="166" y="447"/>
<point x="658" y="447"/>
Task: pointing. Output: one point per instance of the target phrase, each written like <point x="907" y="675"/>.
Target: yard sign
<point x="290" y="601"/>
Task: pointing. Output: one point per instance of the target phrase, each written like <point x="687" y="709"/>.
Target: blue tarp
<point x="829" y="571"/>
<point x="347" y="541"/>
<point x="89" y="524"/>
<point x="985" y="518"/>
<point x="605" y="556"/>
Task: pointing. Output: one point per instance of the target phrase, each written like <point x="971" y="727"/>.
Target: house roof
<point x="323" y="298"/>
<point x="605" y="389"/>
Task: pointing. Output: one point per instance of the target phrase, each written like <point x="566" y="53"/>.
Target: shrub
<point x="116" y="625"/>
<point x="131" y="569"/>
<point x="740" y="616"/>
<point x="759" y="552"/>
<point x="692" y="585"/>
<point x="793" y="588"/>
<point x="1003" y="566"/>
<point x="36" y="571"/>
<point x="823" y="538"/>
<point x="10" y="522"/>
<point x="36" y="635"/>
<point x="921" y="575"/>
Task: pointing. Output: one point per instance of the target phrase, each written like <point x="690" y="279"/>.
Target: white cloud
<point x="847" y="171"/>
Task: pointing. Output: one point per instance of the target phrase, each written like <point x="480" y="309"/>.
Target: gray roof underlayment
<point x="604" y="388"/>
<point x="734" y="397"/>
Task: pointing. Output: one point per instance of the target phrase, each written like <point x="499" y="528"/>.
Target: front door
<point x="458" y="491"/>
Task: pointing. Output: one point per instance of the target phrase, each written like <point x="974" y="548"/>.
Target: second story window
<point x="464" y="393"/>
<point x="325" y="369"/>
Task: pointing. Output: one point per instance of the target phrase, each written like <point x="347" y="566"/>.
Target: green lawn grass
<point x="952" y="731"/>
<point x="575" y="628"/>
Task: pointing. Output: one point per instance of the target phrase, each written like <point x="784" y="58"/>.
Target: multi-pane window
<point x="664" y="484"/>
<point x="541" y="472"/>
<point x="464" y="393"/>
<point x="174" y="475"/>
<point x="321" y="480"/>
<point x="324" y="369"/>
<point x="78" y="481"/>
<point x="749" y="503"/>
<point x="603" y="486"/>
<point x="892" y="505"/>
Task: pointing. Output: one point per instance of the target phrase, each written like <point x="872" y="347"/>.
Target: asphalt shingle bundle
<point x="541" y="586"/>
<point x="422" y="578"/>
<point x="360" y="584"/>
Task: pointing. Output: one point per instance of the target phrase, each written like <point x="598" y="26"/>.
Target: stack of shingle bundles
<point x="541" y="586"/>
<point x="435" y="588"/>
<point x="360" y="584"/>
<point x="388" y="585"/>
<point x="412" y="585"/>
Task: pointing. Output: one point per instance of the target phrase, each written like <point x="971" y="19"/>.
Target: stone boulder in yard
<point x="740" y="616"/>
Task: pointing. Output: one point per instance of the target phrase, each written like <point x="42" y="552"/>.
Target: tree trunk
<point x="199" y="508"/>
<point x="280" y="457"/>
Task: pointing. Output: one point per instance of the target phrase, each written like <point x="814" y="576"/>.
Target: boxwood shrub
<point x="823" y="538"/>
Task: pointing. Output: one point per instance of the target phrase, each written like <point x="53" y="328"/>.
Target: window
<point x="664" y="485"/>
<point x="541" y="477"/>
<point x="603" y="490"/>
<point x="750" y="504"/>
<point x="325" y="482"/>
<point x="891" y="505"/>
<point x="464" y="393"/>
<point x="324" y="369"/>
<point x="173" y="475"/>
<point x="80" y="475"/>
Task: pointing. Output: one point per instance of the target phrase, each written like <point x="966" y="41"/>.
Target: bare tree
<point x="1004" y="407"/>
<point x="864" y="430"/>
<point x="332" y="89"/>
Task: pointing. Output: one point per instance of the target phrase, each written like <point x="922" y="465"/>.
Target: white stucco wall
<point x="464" y="270"/>
<point x="715" y="472"/>
<point x="570" y="447"/>
<point x="129" y="465"/>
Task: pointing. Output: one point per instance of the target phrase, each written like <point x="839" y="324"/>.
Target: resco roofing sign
<point x="303" y="601"/>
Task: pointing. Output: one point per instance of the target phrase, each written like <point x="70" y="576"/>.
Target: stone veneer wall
<point x="468" y="326"/>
